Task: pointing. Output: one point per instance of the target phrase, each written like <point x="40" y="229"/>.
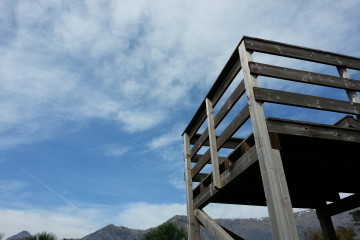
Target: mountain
<point x="251" y="229"/>
<point x="19" y="235"/>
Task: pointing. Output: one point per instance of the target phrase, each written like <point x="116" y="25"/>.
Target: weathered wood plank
<point x="292" y="51"/>
<point x="274" y="182"/>
<point x="341" y="206"/>
<point x="307" y="129"/>
<point x="306" y="101"/>
<point x="200" y="177"/>
<point x="231" y="143"/>
<point x="224" y="110"/>
<point x="193" y="224"/>
<point x="238" y="167"/>
<point x="238" y="121"/>
<point x="327" y="228"/>
<point x="197" y="157"/>
<point x="213" y="149"/>
<point x="223" y="81"/>
<point x="304" y="76"/>
<point x="216" y="230"/>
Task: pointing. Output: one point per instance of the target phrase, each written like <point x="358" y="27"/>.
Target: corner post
<point x="193" y="223"/>
<point x="272" y="172"/>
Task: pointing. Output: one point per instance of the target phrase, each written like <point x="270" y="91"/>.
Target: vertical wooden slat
<point x="275" y="186"/>
<point x="193" y="223"/>
<point x="213" y="147"/>
<point x="352" y="95"/>
<point x="216" y="230"/>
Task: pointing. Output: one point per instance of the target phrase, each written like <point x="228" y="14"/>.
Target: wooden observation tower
<point x="237" y="152"/>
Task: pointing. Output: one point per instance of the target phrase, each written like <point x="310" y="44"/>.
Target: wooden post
<point x="327" y="227"/>
<point x="193" y="223"/>
<point x="352" y="95"/>
<point x="272" y="172"/>
<point x="216" y="230"/>
<point x="213" y="148"/>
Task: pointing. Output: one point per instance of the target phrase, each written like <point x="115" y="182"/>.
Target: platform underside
<point x="320" y="161"/>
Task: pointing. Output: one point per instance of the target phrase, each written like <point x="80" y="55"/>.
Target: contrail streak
<point x="53" y="191"/>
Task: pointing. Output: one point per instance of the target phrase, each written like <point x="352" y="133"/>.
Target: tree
<point x="355" y="217"/>
<point x="1" y="236"/>
<point x="41" y="236"/>
<point x="166" y="231"/>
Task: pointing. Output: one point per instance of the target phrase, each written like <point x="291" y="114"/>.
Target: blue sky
<point x="95" y="94"/>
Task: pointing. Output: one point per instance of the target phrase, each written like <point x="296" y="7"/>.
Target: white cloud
<point x="235" y="211"/>
<point x="146" y="215"/>
<point x="114" y="150"/>
<point x="136" y="62"/>
<point x="63" y="224"/>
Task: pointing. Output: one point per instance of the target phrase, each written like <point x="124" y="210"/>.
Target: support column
<point x="193" y="223"/>
<point x="272" y="172"/>
<point x="352" y="95"/>
<point x="327" y="227"/>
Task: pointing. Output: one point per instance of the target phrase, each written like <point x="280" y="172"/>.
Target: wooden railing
<point x="241" y="59"/>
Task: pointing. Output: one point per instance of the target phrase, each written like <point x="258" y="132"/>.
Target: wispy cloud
<point x="114" y="150"/>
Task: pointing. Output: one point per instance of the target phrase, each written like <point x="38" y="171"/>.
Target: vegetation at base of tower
<point x="41" y="236"/>
<point x="342" y="233"/>
<point x="355" y="217"/>
<point x="1" y="236"/>
<point x="166" y="231"/>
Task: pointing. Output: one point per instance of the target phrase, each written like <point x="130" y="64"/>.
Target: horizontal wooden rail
<point x="231" y="143"/>
<point x="287" y="50"/>
<point x="304" y="76"/>
<point x="237" y="122"/>
<point x="223" y="81"/>
<point x="239" y="166"/>
<point x="306" y="101"/>
<point x="309" y="129"/>
<point x="224" y="110"/>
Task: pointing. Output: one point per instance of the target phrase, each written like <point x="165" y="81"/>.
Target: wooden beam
<point x="223" y="81"/>
<point x="225" y="109"/>
<point x="304" y="76"/>
<point x="307" y="129"/>
<point x="193" y="224"/>
<point x="238" y="121"/>
<point x="231" y="143"/>
<point x="341" y="206"/>
<point x="327" y="228"/>
<point x="213" y="148"/>
<point x="306" y="101"/>
<point x="239" y="166"/>
<point x="216" y="230"/>
<point x="200" y="177"/>
<point x="292" y="51"/>
<point x="272" y="172"/>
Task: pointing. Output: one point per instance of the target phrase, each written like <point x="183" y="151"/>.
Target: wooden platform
<point x="283" y="164"/>
<point x="306" y="148"/>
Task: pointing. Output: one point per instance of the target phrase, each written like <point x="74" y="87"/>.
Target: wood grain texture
<point x="306" y="101"/>
<point x="304" y="76"/>
<point x="292" y="51"/>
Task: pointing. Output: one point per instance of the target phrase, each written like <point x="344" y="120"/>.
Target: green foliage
<point x="166" y="231"/>
<point x="342" y="233"/>
<point x="356" y="217"/>
<point x="41" y="236"/>
<point x="345" y="233"/>
<point x="313" y="235"/>
<point x="1" y="236"/>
